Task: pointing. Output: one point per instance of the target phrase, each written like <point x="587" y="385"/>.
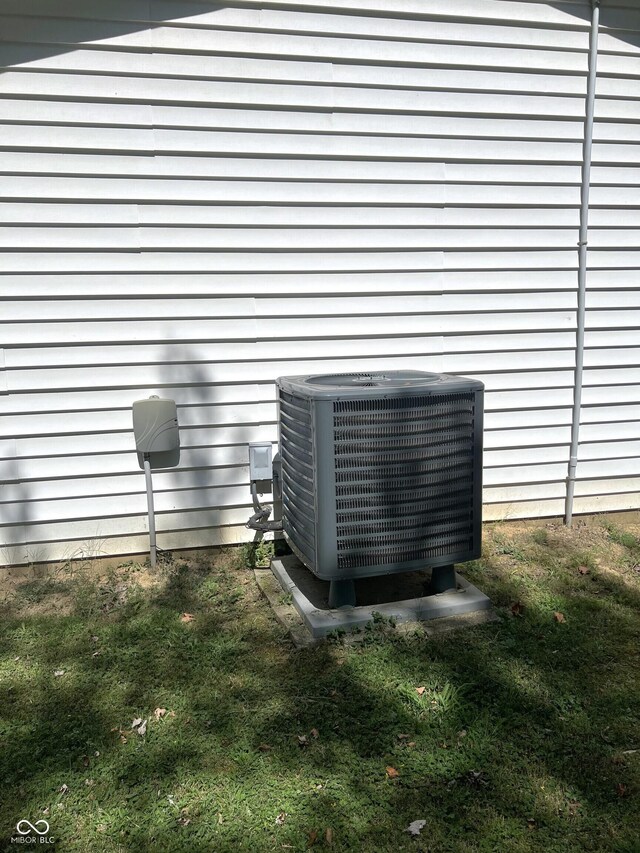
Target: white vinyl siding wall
<point x="198" y="198"/>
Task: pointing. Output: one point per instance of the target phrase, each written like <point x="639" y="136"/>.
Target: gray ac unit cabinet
<point x="381" y="473"/>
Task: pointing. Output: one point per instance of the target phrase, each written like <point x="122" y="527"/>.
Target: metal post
<point x="152" y="520"/>
<point x="587" y="145"/>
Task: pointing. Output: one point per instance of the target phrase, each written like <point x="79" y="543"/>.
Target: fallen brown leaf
<point x="302" y="741"/>
<point x="264" y="747"/>
<point x="314" y="733"/>
<point x="411" y="744"/>
<point x="187" y="617"/>
<point x="516" y="608"/>
<point x="313" y="837"/>
<point x="420" y="690"/>
<point x="583" y="570"/>
<point x="559" y="617"/>
<point x="392" y="773"/>
<point x="159" y="713"/>
<point x="621" y="790"/>
<point x="403" y="737"/>
<point x="328" y="835"/>
<point x="281" y="818"/>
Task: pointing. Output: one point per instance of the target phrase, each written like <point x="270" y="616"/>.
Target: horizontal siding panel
<point x="206" y="166"/>
<point x="180" y="65"/>
<point x="599" y="488"/>
<point x="161" y="284"/>
<point x="611" y="413"/>
<point x="280" y="308"/>
<point x="15" y="84"/>
<point x="265" y="329"/>
<point x="517" y="494"/>
<point x="612" y="357"/>
<point x="97" y="422"/>
<point x="524" y="474"/>
<point x="597" y="395"/>
<point x="70" y="114"/>
<point x="19" y="215"/>
<point x="523" y="509"/>
<point x="190" y="393"/>
<point x="609" y="468"/>
<point x="229" y="460"/>
<point x="607" y="503"/>
<point x="307" y="144"/>
<point x="138" y="261"/>
<point x="132" y="483"/>
<point x="619" y="431"/>
<point x="113" y="506"/>
<point x="534" y="456"/>
<point x="201" y="359"/>
<point x="331" y="239"/>
<point x="80" y="188"/>
<point x="610" y="450"/>
<point x="525" y="437"/>
<point x="92" y="536"/>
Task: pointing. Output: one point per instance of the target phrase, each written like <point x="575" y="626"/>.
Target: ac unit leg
<point x="342" y="594"/>
<point x="443" y="578"/>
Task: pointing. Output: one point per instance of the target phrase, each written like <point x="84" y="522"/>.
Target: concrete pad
<point x="402" y="597"/>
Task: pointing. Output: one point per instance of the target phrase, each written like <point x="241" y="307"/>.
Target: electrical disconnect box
<point x="260" y="460"/>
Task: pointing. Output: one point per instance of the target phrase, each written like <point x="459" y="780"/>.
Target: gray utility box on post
<point x="381" y="473"/>
<point x="155" y="427"/>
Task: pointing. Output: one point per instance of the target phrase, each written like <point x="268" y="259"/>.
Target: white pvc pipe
<point x="152" y="520"/>
<point x="587" y="146"/>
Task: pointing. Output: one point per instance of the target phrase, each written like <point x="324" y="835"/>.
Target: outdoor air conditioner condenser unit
<point x="381" y="473"/>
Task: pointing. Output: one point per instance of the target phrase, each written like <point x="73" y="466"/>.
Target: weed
<point x="540" y="536"/>
<point x="624" y="538"/>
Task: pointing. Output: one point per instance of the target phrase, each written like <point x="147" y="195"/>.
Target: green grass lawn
<point x="524" y="734"/>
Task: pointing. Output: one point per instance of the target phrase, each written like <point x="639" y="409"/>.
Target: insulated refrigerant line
<point x="587" y="146"/>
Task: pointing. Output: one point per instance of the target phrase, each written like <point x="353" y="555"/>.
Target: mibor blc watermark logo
<point x="32" y="833"/>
